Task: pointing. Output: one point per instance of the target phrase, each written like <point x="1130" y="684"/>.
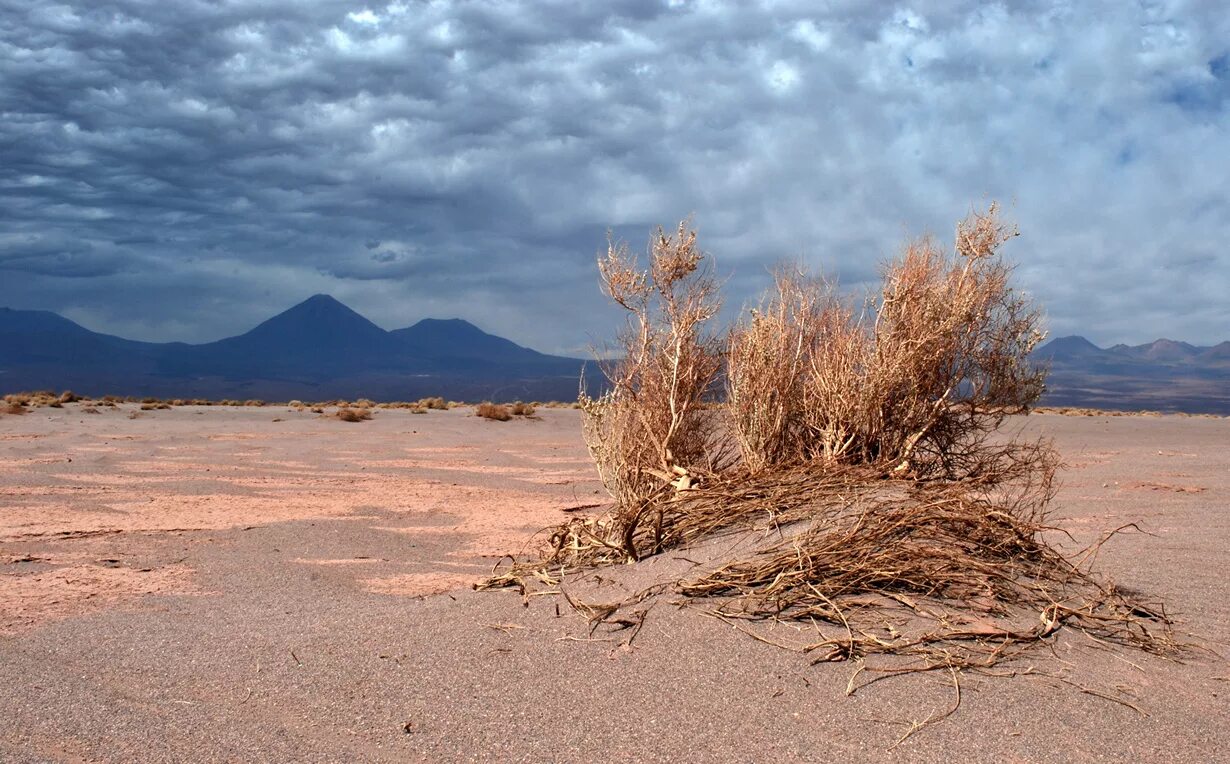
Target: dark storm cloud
<point x="181" y="170"/>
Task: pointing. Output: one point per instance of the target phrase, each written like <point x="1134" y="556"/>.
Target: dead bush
<point x="650" y="433"/>
<point x="878" y="507"/>
<point x="915" y="380"/>
<point x="522" y="409"/>
<point x="494" y="411"/>
<point x="14" y="408"/>
<point x="437" y="403"/>
<point x="768" y="359"/>
<point x="69" y="397"/>
<point x="353" y="414"/>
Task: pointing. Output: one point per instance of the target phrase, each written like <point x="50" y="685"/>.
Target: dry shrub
<point x="768" y="359"/>
<point x="493" y="411"/>
<point x="353" y="414"/>
<point x="68" y="396"/>
<point x="436" y="403"/>
<point x="878" y="505"/>
<point x="157" y="405"/>
<point x="14" y="408"/>
<point x="522" y="409"/>
<point x="417" y="410"/>
<point x="915" y="380"/>
<point x="650" y="433"/>
<point x="90" y="410"/>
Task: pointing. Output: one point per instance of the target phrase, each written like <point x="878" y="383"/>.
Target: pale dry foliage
<point x="652" y="430"/>
<point x="879" y="505"/>
<point x="916" y="379"/>
<point x="768" y="363"/>
<point x="494" y="411"/>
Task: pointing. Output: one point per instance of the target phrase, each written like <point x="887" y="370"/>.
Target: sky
<point x="182" y="170"/>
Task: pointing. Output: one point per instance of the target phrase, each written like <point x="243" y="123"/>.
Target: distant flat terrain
<point x="209" y="584"/>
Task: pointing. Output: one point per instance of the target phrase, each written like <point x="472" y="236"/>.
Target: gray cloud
<point x="182" y="170"/>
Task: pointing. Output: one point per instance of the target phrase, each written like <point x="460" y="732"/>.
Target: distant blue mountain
<point x="1163" y="375"/>
<point x="319" y="348"/>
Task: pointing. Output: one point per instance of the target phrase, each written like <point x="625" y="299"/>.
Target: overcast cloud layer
<point x="176" y="170"/>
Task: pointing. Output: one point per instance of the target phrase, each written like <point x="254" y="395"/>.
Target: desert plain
<point x="263" y="584"/>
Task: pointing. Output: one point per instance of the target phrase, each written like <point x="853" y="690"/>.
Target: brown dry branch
<point x="651" y="435"/>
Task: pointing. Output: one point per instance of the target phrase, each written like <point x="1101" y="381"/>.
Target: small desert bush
<point x="353" y="414"/>
<point x="14" y="408"/>
<point x="651" y="429"/>
<point x="155" y="405"/>
<point x="521" y="409"/>
<point x="916" y="379"/>
<point x="495" y="411"/>
<point x="68" y="396"/>
<point x="417" y="410"/>
<point x="436" y="403"/>
<point x="89" y="410"/>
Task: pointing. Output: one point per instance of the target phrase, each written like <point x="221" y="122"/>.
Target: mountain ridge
<point x="318" y="347"/>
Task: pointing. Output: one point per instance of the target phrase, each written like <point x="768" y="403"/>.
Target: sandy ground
<point x="209" y="584"/>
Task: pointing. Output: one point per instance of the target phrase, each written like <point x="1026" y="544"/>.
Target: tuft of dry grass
<point x="493" y="411"/>
<point x="522" y="409"/>
<point x="347" y="414"/>
<point x="15" y="409"/>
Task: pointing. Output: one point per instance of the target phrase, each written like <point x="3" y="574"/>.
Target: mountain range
<point x="321" y="349"/>
<point x="1164" y="375"/>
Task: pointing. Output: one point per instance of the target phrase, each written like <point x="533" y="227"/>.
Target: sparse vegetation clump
<point x="858" y="448"/>
<point x="521" y="409"/>
<point x="347" y="414"/>
<point x="650" y="433"/>
<point x="493" y="411"/>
